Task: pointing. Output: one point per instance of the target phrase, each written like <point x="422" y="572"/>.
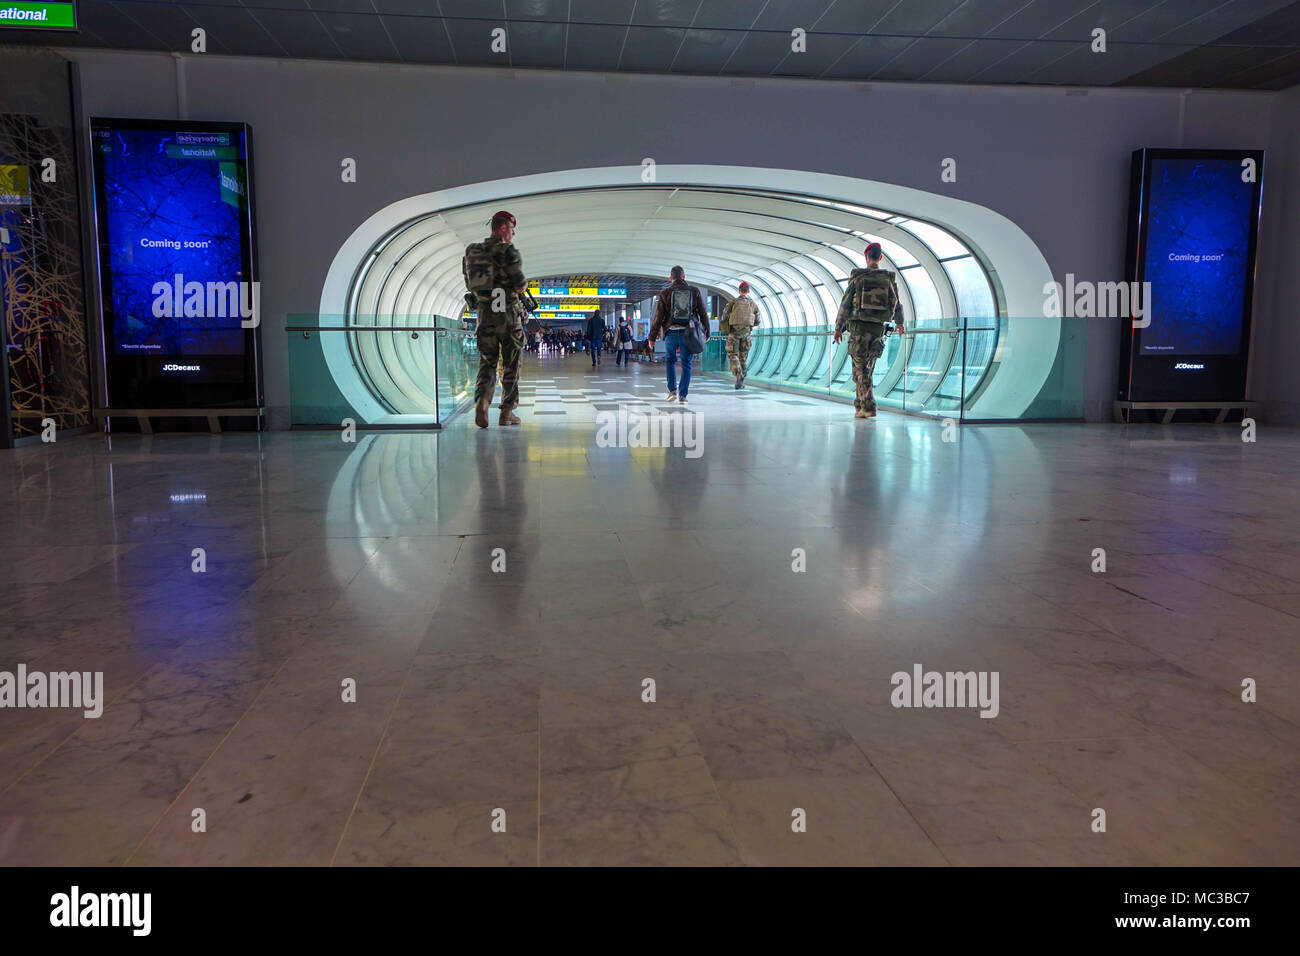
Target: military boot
<point x="481" y="412"/>
<point x="861" y="413"/>
<point x="508" y="417"/>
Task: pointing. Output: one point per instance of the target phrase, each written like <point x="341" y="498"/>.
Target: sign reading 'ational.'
<point x="38" y="16"/>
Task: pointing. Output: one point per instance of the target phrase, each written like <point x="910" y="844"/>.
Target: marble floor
<point x="500" y="599"/>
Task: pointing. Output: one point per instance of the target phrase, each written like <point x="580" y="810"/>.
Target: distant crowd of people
<point x="555" y="341"/>
<point x="593" y="338"/>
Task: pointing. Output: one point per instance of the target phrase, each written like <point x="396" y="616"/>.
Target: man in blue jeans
<point x="596" y="336"/>
<point x="677" y="306"/>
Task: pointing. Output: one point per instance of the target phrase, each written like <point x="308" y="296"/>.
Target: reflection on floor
<point x="521" y="690"/>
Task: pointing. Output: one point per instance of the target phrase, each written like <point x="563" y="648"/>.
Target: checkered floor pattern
<point x="568" y="389"/>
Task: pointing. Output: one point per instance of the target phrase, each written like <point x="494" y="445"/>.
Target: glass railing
<point x="969" y="369"/>
<point x="456" y="366"/>
<point x="414" y="371"/>
<point x="418" y="371"/>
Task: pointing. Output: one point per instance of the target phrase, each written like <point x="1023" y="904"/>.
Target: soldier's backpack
<point x="477" y="267"/>
<point x="681" y="306"/>
<point x="876" y="297"/>
<point x="740" y="313"/>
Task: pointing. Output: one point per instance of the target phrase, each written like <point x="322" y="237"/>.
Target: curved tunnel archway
<point x="793" y="235"/>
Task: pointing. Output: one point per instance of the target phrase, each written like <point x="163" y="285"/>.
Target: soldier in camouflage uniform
<point x="870" y="302"/>
<point x="494" y="275"/>
<point x="740" y="316"/>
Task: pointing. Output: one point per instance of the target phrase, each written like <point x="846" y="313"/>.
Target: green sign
<point x="38" y="16"/>
<point x="223" y="153"/>
<point x="232" y="184"/>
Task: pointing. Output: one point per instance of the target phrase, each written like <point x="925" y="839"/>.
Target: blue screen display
<point x="176" y="205"/>
<point x="1200" y="214"/>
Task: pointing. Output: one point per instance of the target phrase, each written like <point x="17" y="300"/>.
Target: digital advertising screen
<point x="180" y="296"/>
<point x="1194" y="218"/>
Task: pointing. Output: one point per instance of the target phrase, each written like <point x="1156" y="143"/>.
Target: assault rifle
<point x="525" y="299"/>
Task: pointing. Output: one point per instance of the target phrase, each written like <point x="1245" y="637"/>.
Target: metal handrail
<point x="773" y="333"/>
<point x="971" y="328"/>
<point x="373" y="328"/>
<point x="964" y="328"/>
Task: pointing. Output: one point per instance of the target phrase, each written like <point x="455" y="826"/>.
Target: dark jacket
<point x="595" y="327"/>
<point x="660" y="324"/>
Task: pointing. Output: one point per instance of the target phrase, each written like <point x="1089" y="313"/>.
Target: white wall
<point x="1054" y="162"/>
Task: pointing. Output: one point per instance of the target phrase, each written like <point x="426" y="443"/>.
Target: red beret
<point x="874" y="251"/>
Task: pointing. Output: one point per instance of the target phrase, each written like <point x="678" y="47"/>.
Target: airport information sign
<point x="590" y="292"/>
<point x="22" y="14"/>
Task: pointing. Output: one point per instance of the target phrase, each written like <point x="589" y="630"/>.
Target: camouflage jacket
<point x="872" y="296"/>
<point x="507" y="266"/>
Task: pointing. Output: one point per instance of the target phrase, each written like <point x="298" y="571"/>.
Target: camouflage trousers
<point x="738" y="351"/>
<point x="498" y="344"/>
<point x="866" y="344"/>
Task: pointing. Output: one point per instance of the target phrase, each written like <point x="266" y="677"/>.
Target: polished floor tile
<point x="513" y="647"/>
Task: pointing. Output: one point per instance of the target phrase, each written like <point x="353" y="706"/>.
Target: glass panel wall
<point x="944" y="371"/>
<point x="971" y="286"/>
<point x="943" y="244"/>
<point x="413" y="371"/>
<point x="925" y="297"/>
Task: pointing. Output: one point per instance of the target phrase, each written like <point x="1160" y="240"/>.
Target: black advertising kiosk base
<point x="1124" y="410"/>
<point x="213" y="415"/>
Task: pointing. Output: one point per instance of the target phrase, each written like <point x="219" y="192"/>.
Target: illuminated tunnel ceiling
<point x="794" y="250"/>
